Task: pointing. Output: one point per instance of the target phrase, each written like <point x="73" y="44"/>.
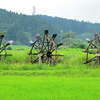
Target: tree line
<point x="20" y="27"/>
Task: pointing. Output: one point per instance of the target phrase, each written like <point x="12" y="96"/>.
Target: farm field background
<point x="20" y="60"/>
<point x="70" y="79"/>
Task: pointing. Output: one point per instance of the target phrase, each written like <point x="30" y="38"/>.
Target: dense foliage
<point x="21" y="27"/>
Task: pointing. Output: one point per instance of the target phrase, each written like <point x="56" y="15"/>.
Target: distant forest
<point x="21" y="28"/>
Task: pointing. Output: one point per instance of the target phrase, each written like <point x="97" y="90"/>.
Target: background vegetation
<point x="71" y="64"/>
<point x="23" y="28"/>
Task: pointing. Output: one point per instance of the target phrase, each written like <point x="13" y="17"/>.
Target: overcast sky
<point x="87" y="10"/>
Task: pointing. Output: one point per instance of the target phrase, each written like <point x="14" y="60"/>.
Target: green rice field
<point x="49" y="88"/>
<point x="69" y="79"/>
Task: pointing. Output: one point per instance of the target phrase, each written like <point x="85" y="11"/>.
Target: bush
<point x="78" y="45"/>
<point x="9" y="48"/>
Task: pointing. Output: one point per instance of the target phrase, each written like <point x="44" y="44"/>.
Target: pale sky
<point x="87" y="10"/>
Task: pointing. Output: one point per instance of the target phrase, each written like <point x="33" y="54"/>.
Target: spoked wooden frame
<point x="45" y="49"/>
<point x="3" y="52"/>
<point x="93" y="49"/>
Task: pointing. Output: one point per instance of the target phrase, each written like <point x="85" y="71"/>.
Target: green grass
<point x="49" y="88"/>
<point x="20" y="60"/>
<point x="57" y="73"/>
<point x="70" y="79"/>
<point x="19" y="47"/>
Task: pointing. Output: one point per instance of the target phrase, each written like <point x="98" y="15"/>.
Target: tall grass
<point x="20" y="60"/>
<point x="71" y="64"/>
<point x="58" y="73"/>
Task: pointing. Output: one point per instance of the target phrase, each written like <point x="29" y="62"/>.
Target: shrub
<point x="78" y="45"/>
<point x="9" y="48"/>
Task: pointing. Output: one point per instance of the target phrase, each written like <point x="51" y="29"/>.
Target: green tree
<point x="22" y="38"/>
<point x="82" y="37"/>
<point x="3" y="32"/>
<point x="78" y="45"/>
<point x="16" y="33"/>
<point x="69" y="41"/>
<point x="69" y="38"/>
<point x="69" y="34"/>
